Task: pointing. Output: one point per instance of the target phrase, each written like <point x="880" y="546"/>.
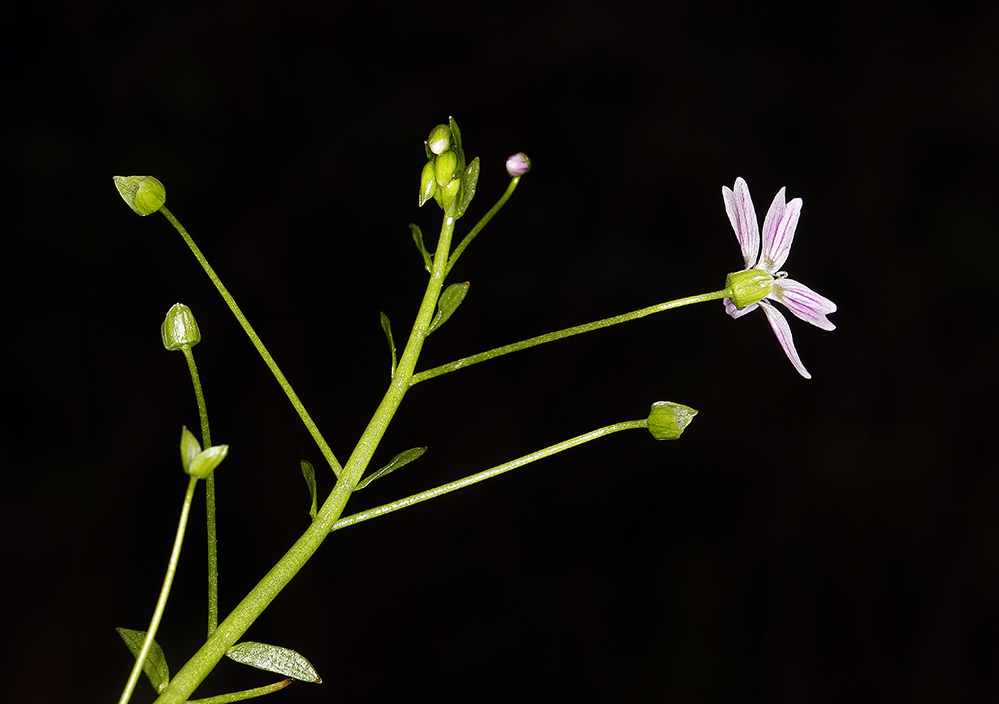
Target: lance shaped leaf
<point x="400" y="460"/>
<point x="309" y="472"/>
<point x="469" y="180"/>
<point x="456" y="143"/>
<point x="274" y="659"/>
<point x="387" y="329"/>
<point x="155" y="666"/>
<point x="449" y="301"/>
<point x="418" y="239"/>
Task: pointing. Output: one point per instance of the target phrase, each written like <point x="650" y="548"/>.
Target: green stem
<point x="467" y="240"/>
<point x="247" y="611"/>
<point x="487" y="474"/>
<point x="271" y="364"/>
<point x="206" y="442"/>
<point x="561" y="334"/>
<point x="154" y="623"/>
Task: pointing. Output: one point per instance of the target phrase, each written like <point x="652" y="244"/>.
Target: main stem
<point x="247" y="611"/>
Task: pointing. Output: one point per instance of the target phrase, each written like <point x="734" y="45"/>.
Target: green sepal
<point x="400" y="460"/>
<point x="309" y="472"/>
<point x="469" y="180"/>
<point x="449" y="301"/>
<point x="189" y="448"/>
<point x="155" y="666"/>
<point x="418" y="239"/>
<point x="207" y="460"/>
<point x="430" y="154"/>
<point x="273" y="658"/>
<point x="387" y="329"/>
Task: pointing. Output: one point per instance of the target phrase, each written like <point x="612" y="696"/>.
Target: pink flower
<point x="778" y="232"/>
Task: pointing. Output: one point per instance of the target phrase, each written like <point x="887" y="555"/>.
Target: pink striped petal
<point x="783" y="332"/>
<point x="778" y="232"/>
<point x="742" y="215"/>
<point x="735" y="312"/>
<point x="804" y="302"/>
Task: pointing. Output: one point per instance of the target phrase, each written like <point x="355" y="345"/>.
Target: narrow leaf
<point x="155" y="666"/>
<point x="309" y="472"/>
<point x="400" y="460"/>
<point x="456" y="143"/>
<point x="418" y="239"/>
<point x="387" y="329"/>
<point x="449" y="301"/>
<point x="469" y="180"/>
<point x="274" y="659"/>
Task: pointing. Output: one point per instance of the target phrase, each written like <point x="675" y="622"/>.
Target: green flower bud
<point x="748" y="287"/>
<point x="439" y="139"/>
<point x="428" y="183"/>
<point x="444" y="168"/>
<point x="144" y="194"/>
<point x="667" y="420"/>
<point x="179" y="328"/>
<point x="448" y="193"/>
<point x="206" y="462"/>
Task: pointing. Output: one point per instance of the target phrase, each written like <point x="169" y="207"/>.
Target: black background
<point x="805" y="541"/>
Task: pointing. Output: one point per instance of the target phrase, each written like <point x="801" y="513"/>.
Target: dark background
<point x="805" y="541"/>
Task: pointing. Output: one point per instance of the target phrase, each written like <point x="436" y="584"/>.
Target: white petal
<point x="804" y="302"/>
<point x="778" y="232"/>
<point x="735" y="312"/>
<point x="742" y="215"/>
<point x="783" y="333"/>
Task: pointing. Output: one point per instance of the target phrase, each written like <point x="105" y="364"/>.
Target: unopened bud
<point x="428" y="183"/>
<point x="179" y="328"/>
<point x="197" y="462"/>
<point x="144" y="194"/>
<point x="748" y="287"/>
<point x="444" y="167"/>
<point x="518" y="164"/>
<point x="439" y="139"/>
<point x="667" y="420"/>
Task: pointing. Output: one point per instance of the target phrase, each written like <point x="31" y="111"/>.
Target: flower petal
<point x="778" y="232"/>
<point x="735" y="312"/>
<point x="742" y="215"/>
<point x="804" y="302"/>
<point x="783" y="332"/>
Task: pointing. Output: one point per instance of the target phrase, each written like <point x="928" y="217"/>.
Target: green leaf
<point x="449" y="301"/>
<point x="309" y="472"/>
<point x="155" y="666"/>
<point x="387" y="329"/>
<point x="418" y="239"/>
<point x="456" y="143"/>
<point x="274" y="659"/>
<point x="469" y="180"/>
<point x="400" y="460"/>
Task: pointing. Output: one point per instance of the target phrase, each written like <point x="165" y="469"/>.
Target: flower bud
<point x="428" y="183"/>
<point x="205" y="462"/>
<point x="667" y="420"/>
<point x="448" y="193"/>
<point x="748" y="287"/>
<point x="518" y="164"/>
<point x="144" y="194"/>
<point x="179" y="328"/>
<point x="439" y="139"/>
<point x="444" y="167"/>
